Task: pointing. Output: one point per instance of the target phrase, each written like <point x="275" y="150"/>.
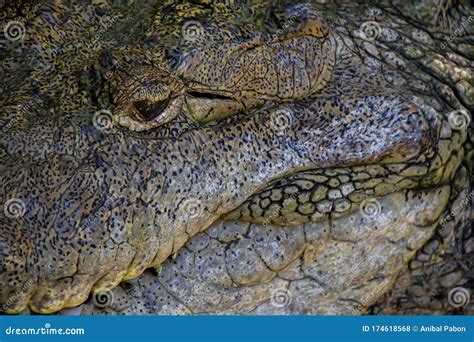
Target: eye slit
<point x="150" y="109"/>
<point x="210" y="96"/>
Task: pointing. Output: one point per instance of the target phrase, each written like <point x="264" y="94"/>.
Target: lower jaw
<point x="339" y="266"/>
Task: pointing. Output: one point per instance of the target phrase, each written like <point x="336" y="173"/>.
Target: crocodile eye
<point x="148" y="110"/>
<point x="147" y="97"/>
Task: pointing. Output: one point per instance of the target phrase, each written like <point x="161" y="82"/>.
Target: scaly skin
<point x="245" y="165"/>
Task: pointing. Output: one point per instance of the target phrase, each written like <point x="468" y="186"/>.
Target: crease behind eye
<point x="149" y="110"/>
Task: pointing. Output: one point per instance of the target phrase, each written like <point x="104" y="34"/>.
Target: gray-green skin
<point x="269" y="211"/>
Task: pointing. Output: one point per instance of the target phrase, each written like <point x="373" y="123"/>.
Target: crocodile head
<point x="289" y="151"/>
